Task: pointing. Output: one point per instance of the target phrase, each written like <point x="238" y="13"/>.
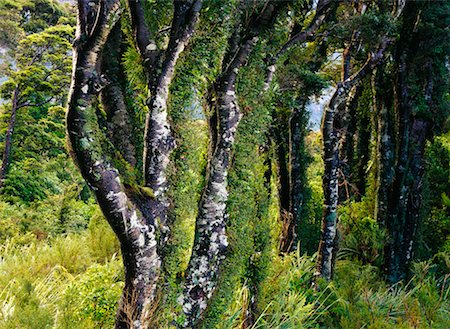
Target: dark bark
<point x="403" y="141"/>
<point x="281" y="139"/>
<point x="298" y="166"/>
<point x="386" y="155"/>
<point x="323" y="11"/>
<point x="158" y="140"/>
<point x="211" y="243"/>
<point x="113" y="98"/>
<point x="6" y="159"/>
<point x="144" y="40"/>
<point x="405" y="192"/>
<point x="330" y="133"/>
<point x="132" y="225"/>
<point x="290" y="167"/>
<point x="346" y="124"/>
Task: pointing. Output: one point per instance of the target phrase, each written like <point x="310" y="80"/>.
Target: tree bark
<point x="281" y="139"/>
<point x="158" y="139"/>
<point x="347" y="143"/>
<point x="6" y="159"/>
<point x="210" y="242"/>
<point x="330" y="133"/>
<point x="298" y="166"/>
<point x="386" y="154"/>
<point x="405" y="194"/>
<point x="132" y="225"/>
<point x="113" y="98"/>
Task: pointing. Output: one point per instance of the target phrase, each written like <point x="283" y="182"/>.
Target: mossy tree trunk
<point x="134" y="228"/>
<point x="211" y="241"/>
<point x="160" y="65"/>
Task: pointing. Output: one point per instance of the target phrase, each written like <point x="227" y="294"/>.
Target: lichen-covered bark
<point x="211" y="243"/>
<point x="330" y="133"/>
<point x="327" y="245"/>
<point x="6" y="158"/>
<point x="136" y="233"/>
<point x="158" y="140"/>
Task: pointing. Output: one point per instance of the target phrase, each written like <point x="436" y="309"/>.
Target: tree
<point x="38" y="78"/>
<point x="332" y="130"/>
<point x="288" y="132"/>
<point x="138" y="214"/>
<point x="410" y="99"/>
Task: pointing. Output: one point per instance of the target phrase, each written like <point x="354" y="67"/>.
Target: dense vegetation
<point x="179" y="183"/>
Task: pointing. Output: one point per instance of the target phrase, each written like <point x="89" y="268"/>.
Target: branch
<point x="323" y="11"/>
<point x="372" y="61"/>
<point x="35" y="104"/>
<point x="144" y="39"/>
<point x="158" y="140"/>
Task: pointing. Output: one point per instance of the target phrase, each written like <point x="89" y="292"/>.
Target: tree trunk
<point x="281" y="138"/>
<point x="405" y="198"/>
<point x="385" y="146"/>
<point x="348" y="137"/>
<point x="6" y="159"/>
<point x="210" y="242"/>
<point x="158" y="139"/>
<point x="328" y="241"/>
<point x="330" y="135"/>
<point x="298" y="165"/>
<point x="132" y="225"/>
<point x="113" y="98"/>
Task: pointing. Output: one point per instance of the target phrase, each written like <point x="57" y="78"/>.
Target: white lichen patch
<point x="151" y="46"/>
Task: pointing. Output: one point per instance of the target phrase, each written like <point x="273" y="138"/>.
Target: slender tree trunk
<point x="359" y="150"/>
<point x="347" y="130"/>
<point x="385" y="146"/>
<point x="6" y="159"/>
<point x="330" y="133"/>
<point x="328" y="242"/>
<point x="281" y="138"/>
<point x="298" y="166"/>
<point x="113" y="98"/>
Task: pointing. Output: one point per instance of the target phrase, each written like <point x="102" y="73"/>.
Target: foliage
<point x="60" y="263"/>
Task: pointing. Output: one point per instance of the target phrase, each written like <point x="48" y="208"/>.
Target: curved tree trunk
<point x="135" y="229"/>
<point x="158" y="139"/>
<point x="211" y="243"/>
<point x="113" y="98"/>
